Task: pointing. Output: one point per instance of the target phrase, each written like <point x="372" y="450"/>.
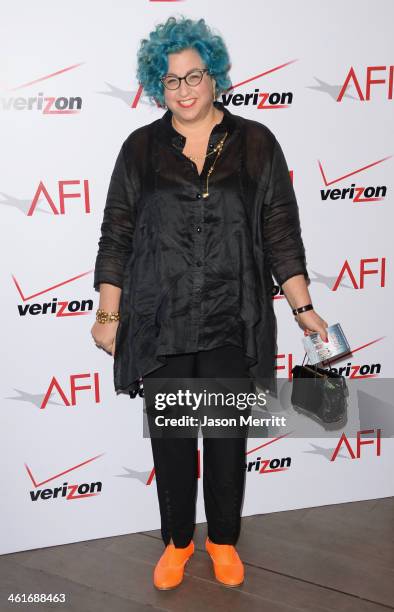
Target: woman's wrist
<point x="104" y="316"/>
<point x="301" y="309"/>
<point x="109" y="297"/>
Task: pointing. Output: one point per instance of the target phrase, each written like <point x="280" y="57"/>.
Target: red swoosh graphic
<point x="340" y="178"/>
<point x="44" y="78"/>
<point x="29" y="297"/>
<point x="261" y="74"/>
<point x="253" y="450"/>
<point x="340" y="357"/>
<point x="38" y="484"/>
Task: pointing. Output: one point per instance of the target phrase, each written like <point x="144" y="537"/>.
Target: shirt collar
<point x="169" y="134"/>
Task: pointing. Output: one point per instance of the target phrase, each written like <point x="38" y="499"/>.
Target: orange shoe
<point x="169" y="569"/>
<point x="228" y="567"/>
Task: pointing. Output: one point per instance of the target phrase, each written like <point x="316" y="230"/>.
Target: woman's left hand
<point x="311" y="322"/>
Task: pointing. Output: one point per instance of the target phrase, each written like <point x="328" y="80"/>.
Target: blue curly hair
<point x="175" y="35"/>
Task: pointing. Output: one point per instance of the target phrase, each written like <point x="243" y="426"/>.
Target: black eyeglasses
<point x="192" y="78"/>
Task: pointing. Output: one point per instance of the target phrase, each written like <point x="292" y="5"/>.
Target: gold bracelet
<point x="106" y="317"/>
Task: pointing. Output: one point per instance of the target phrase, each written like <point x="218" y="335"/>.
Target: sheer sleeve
<point x="117" y="228"/>
<point x="282" y="241"/>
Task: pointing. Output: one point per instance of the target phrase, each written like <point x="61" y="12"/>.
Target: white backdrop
<point x="53" y="440"/>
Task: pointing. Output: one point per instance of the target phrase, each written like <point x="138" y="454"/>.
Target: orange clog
<point x="170" y="567"/>
<point x="227" y="565"/>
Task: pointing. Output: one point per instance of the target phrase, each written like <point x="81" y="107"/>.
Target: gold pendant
<point x="205" y="194"/>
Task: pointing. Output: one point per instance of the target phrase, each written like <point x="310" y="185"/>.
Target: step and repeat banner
<point x="75" y="464"/>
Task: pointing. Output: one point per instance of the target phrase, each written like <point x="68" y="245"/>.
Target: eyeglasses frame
<point x="184" y="78"/>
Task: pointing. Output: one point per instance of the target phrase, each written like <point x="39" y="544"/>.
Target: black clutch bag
<point x="319" y="393"/>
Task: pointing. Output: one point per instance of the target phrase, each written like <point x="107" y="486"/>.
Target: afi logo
<point x="356" y="453"/>
<point x="357" y="276"/>
<point x="61" y="196"/>
<point x="69" y="394"/>
<point x="363" y="82"/>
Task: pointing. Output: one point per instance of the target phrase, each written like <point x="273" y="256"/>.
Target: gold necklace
<point x="195" y="157"/>
<point x="218" y="148"/>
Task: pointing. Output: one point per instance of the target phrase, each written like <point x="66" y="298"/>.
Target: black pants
<point x="175" y="459"/>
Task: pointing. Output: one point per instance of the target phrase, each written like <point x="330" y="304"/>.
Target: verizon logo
<point x="66" y="490"/>
<point x="286" y="361"/>
<point x="260" y="99"/>
<point x="355" y="193"/>
<point x="41" y="102"/>
<point x="53" y="307"/>
<point x="268" y="466"/>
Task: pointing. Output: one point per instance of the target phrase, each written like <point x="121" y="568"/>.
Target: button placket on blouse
<point x="198" y="235"/>
<point x="198" y="261"/>
<point x="199" y="248"/>
<point x="196" y="210"/>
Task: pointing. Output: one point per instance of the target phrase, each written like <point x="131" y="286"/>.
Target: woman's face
<point x="200" y="97"/>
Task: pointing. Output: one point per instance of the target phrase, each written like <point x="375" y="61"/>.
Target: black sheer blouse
<point x="195" y="272"/>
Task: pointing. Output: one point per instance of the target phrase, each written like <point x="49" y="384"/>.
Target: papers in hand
<point x="317" y="350"/>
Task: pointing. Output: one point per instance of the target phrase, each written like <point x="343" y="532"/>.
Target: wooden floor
<point x="338" y="557"/>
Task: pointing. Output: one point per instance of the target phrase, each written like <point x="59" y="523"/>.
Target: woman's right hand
<point x="104" y="335"/>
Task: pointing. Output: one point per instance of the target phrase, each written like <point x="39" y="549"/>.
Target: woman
<point x="200" y="213"/>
